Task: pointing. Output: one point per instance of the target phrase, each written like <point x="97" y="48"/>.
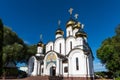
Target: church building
<point x="67" y="56"/>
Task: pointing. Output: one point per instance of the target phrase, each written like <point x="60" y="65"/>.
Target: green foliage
<point x="11" y="72"/>
<point x="13" y="48"/>
<point x="10" y="37"/>
<point x="32" y="49"/>
<point x="109" y="53"/>
<point x="117" y="78"/>
<point x="103" y="74"/>
<point x="1" y="43"/>
<point x="22" y="74"/>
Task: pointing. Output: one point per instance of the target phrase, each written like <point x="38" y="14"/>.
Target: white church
<point x="66" y="56"/>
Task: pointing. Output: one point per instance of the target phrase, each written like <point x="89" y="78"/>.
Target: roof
<point x="10" y="64"/>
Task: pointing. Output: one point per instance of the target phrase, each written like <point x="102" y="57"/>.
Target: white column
<point x="57" y="67"/>
<point x="70" y="67"/>
<point x="69" y="31"/>
<point x="44" y="68"/>
<point x="38" y="68"/>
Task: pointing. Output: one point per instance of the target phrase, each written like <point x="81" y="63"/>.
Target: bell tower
<point x="70" y="24"/>
<point x="59" y="31"/>
<point x="40" y="47"/>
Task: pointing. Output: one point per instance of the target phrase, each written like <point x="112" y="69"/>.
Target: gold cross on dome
<point x="70" y="11"/>
<point x="82" y="26"/>
<point x="76" y="16"/>
<point x="41" y="37"/>
<point x="59" y="22"/>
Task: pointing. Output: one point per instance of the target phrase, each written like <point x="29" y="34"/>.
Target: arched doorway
<point x="52" y="71"/>
<point x="31" y="65"/>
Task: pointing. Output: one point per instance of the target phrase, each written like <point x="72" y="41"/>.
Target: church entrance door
<point x="52" y="71"/>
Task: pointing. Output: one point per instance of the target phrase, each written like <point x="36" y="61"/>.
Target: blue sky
<point x="30" y="18"/>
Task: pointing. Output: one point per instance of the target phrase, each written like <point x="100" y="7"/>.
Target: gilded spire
<point x="40" y="37"/>
<point x="70" y="11"/>
<point x="76" y="16"/>
<point x="59" y="22"/>
<point x="82" y="26"/>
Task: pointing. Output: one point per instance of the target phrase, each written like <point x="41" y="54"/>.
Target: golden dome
<point x="59" y="31"/>
<point x="81" y="34"/>
<point x="70" y="22"/>
<point x="77" y="25"/>
<point x="40" y="44"/>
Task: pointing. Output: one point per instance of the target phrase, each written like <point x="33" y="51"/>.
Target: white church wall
<point x="50" y="63"/>
<point x="79" y="42"/>
<point x="42" y="69"/>
<point x="58" y="42"/>
<point x="69" y="31"/>
<point x="39" y="49"/>
<point x="90" y="64"/>
<point x="75" y="31"/>
<point x="49" y="46"/>
<point x="81" y="64"/>
<point x="58" y="35"/>
<point x="32" y="66"/>
<point x="70" y="46"/>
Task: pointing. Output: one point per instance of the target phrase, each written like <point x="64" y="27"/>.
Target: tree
<point x="13" y="48"/>
<point x="1" y="44"/>
<point x="109" y="53"/>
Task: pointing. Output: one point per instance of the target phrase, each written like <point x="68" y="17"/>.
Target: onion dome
<point x="59" y="31"/>
<point x="77" y="25"/>
<point x="71" y="22"/>
<point x="81" y="33"/>
<point x="40" y="44"/>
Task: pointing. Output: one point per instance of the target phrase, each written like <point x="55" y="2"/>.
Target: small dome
<point x="40" y="44"/>
<point x="70" y="22"/>
<point x="81" y="33"/>
<point x="59" y="31"/>
<point x="77" y="25"/>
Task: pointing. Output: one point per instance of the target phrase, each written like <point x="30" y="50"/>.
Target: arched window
<point x="65" y="69"/>
<point x="50" y="47"/>
<point x="31" y="67"/>
<point x="69" y="33"/>
<point x="42" y="70"/>
<point x="70" y="45"/>
<point x="60" y="48"/>
<point x="77" y="64"/>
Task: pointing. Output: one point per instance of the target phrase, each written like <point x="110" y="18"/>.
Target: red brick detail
<point x="78" y="78"/>
<point x="57" y="78"/>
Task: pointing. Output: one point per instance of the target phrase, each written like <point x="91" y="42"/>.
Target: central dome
<point x="77" y="25"/>
<point x="59" y="31"/>
<point x="81" y="33"/>
<point x="70" y="22"/>
<point x="40" y="44"/>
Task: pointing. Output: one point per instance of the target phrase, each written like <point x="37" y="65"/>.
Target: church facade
<point x="67" y="56"/>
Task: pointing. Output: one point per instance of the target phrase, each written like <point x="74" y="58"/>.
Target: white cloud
<point x="99" y="67"/>
<point x="26" y="42"/>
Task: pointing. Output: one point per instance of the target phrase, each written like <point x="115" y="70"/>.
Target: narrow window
<point x="42" y="70"/>
<point x="32" y="68"/>
<point x="69" y="33"/>
<point x="77" y="65"/>
<point x="70" y="45"/>
<point x="65" y="69"/>
<point x="60" y="47"/>
<point x="50" y="47"/>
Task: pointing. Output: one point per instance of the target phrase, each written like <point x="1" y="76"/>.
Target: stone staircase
<point x="44" y="78"/>
<point x="55" y="78"/>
